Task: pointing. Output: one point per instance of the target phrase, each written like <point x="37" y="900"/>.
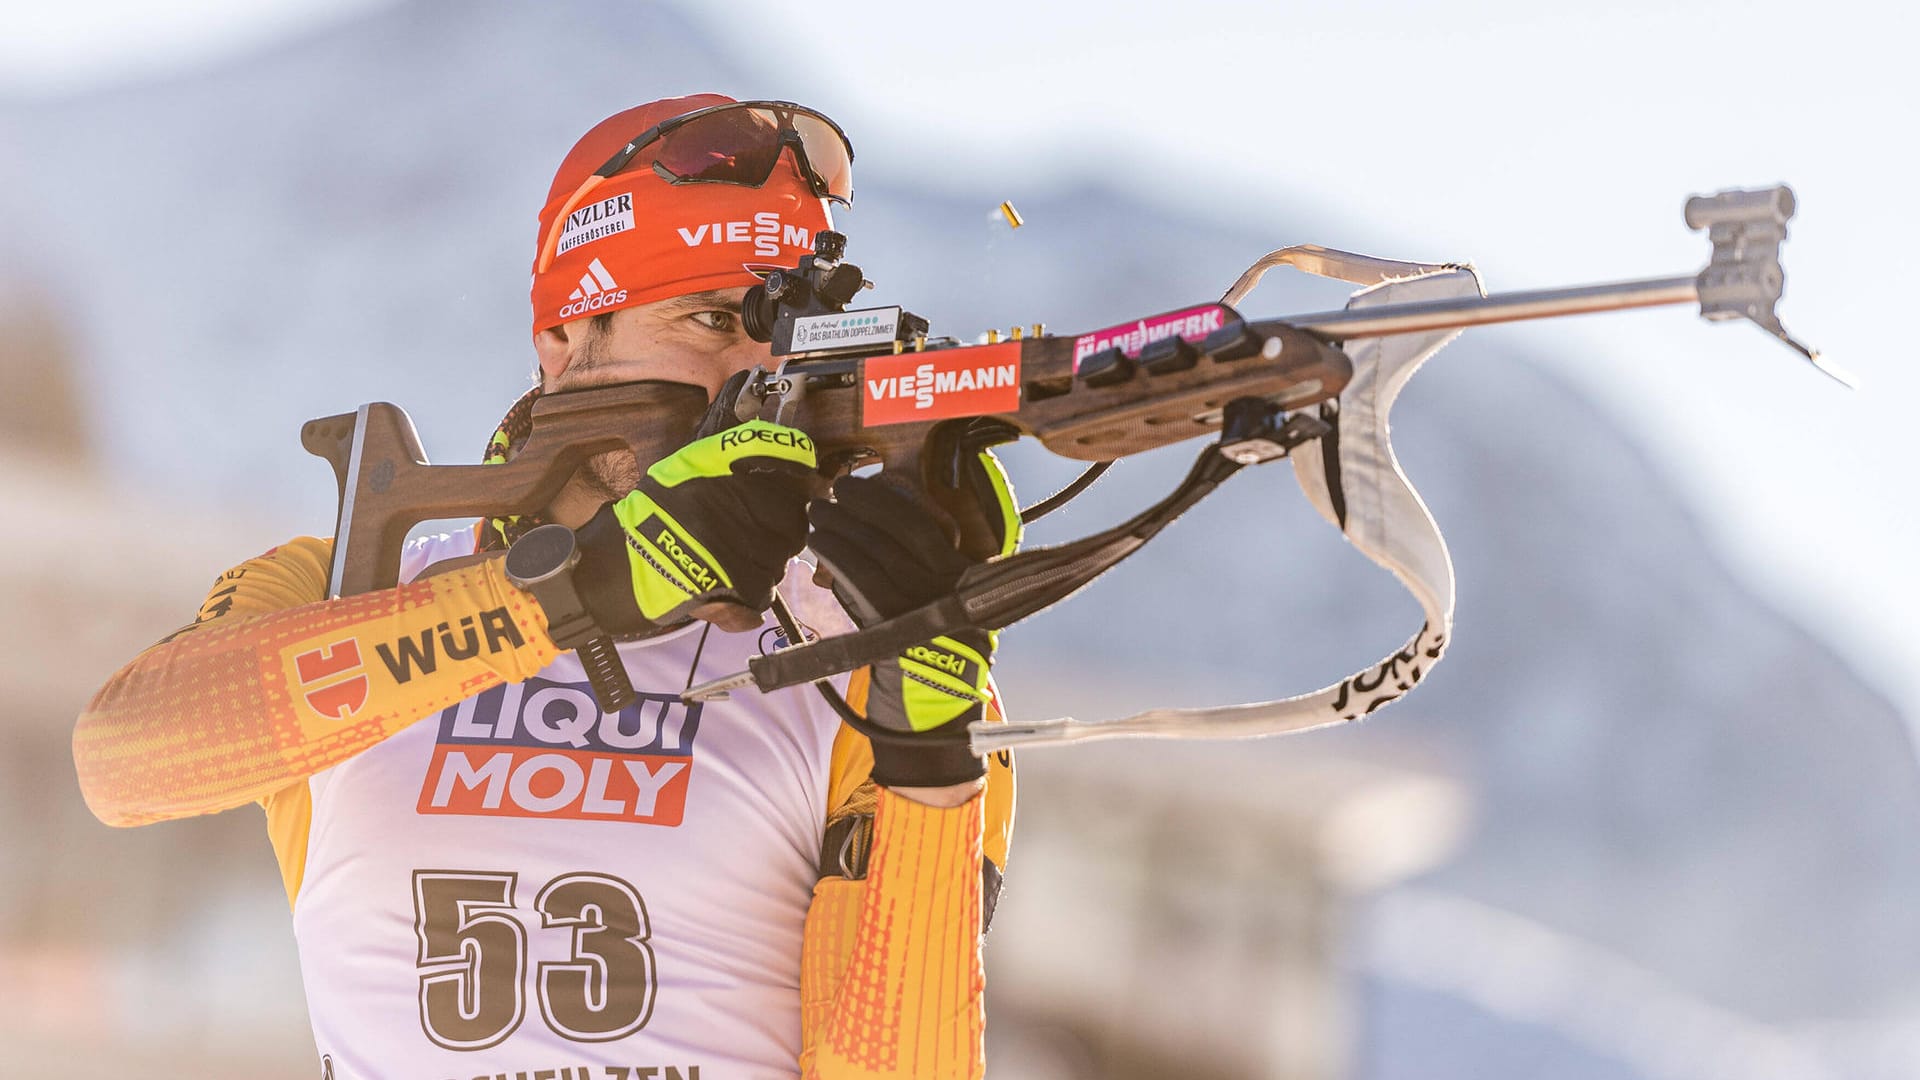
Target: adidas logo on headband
<point x="597" y="290"/>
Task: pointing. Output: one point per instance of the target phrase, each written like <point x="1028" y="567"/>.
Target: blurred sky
<point x="1549" y="143"/>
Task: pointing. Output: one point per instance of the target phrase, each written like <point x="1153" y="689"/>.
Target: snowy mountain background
<point x="1663" y="768"/>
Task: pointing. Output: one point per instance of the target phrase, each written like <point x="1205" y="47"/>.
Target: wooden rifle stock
<point x="1115" y="404"/>
<point x="387" y="487"/>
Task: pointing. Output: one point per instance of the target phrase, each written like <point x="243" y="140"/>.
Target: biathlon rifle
<point x="870" y="385"/>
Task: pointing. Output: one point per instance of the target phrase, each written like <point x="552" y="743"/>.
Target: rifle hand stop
<point x="1249" y="436"/>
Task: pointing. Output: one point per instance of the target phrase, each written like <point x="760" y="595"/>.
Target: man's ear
<point x="554" y="346"/>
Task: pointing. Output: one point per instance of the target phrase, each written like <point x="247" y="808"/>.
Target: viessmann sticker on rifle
<point x="872" y="326"/>
<point x="941" y="384"/>
<point x="1191" y="324"/>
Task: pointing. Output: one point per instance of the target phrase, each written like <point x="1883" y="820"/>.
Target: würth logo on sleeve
<point x="546" y="749"/>
<point x="597" y="290"/>
<point x="333" y="679"/>
<point x="420" y="653"/>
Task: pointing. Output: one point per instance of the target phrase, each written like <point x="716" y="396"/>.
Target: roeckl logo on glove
<point x="952" y="663"/>
<point x="543" y="748"/>
<point x="734" y="438"/>
<point x="662" y="536"/>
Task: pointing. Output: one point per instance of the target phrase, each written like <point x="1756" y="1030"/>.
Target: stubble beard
<point x="610" y="476"/>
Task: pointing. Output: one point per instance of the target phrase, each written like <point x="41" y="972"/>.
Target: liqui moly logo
<point x="765" y="231"/>
<point x="332" y="678"/>
<point x="944" y="383"/>
<point x="546" y="749"/>
<point x="1191" y="324"/>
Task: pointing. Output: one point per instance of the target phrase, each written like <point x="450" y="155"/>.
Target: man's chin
<point x="611" y="476"/>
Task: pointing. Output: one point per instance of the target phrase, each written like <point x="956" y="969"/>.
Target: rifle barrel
<point x="1497" y="308"/>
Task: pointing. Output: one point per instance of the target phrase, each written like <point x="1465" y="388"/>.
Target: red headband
<point x="635" y="238"/>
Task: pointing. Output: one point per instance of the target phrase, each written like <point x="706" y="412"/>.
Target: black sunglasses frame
<point x="783" y="112"/>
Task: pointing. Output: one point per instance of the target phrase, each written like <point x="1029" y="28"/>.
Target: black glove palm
<point x="887" y="555"/>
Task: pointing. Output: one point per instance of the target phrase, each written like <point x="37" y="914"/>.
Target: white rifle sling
<point x="1384" y="518"/>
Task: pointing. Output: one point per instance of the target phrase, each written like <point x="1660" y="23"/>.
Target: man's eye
<point x="717" y="319"/>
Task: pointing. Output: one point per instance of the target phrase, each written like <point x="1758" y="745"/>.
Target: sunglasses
<point x="737" y="143"/>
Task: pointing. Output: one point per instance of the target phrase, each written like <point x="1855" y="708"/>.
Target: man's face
<point x="693" y="339"/>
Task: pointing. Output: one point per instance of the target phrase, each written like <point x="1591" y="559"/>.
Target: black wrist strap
<point x="929" y="759"/>
<point x="883" y="641"/>
<point x="995" y="594"/>
<point x="572" y="626"/>
<point x="900" y="758"/>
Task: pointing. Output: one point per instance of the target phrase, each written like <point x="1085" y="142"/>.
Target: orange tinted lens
<point x="827" y="153"/>
<point x="742" y="146"/>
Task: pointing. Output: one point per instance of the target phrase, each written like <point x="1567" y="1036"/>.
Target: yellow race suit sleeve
<point x="273" y="682"/>
<point x="891" y="977"/>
